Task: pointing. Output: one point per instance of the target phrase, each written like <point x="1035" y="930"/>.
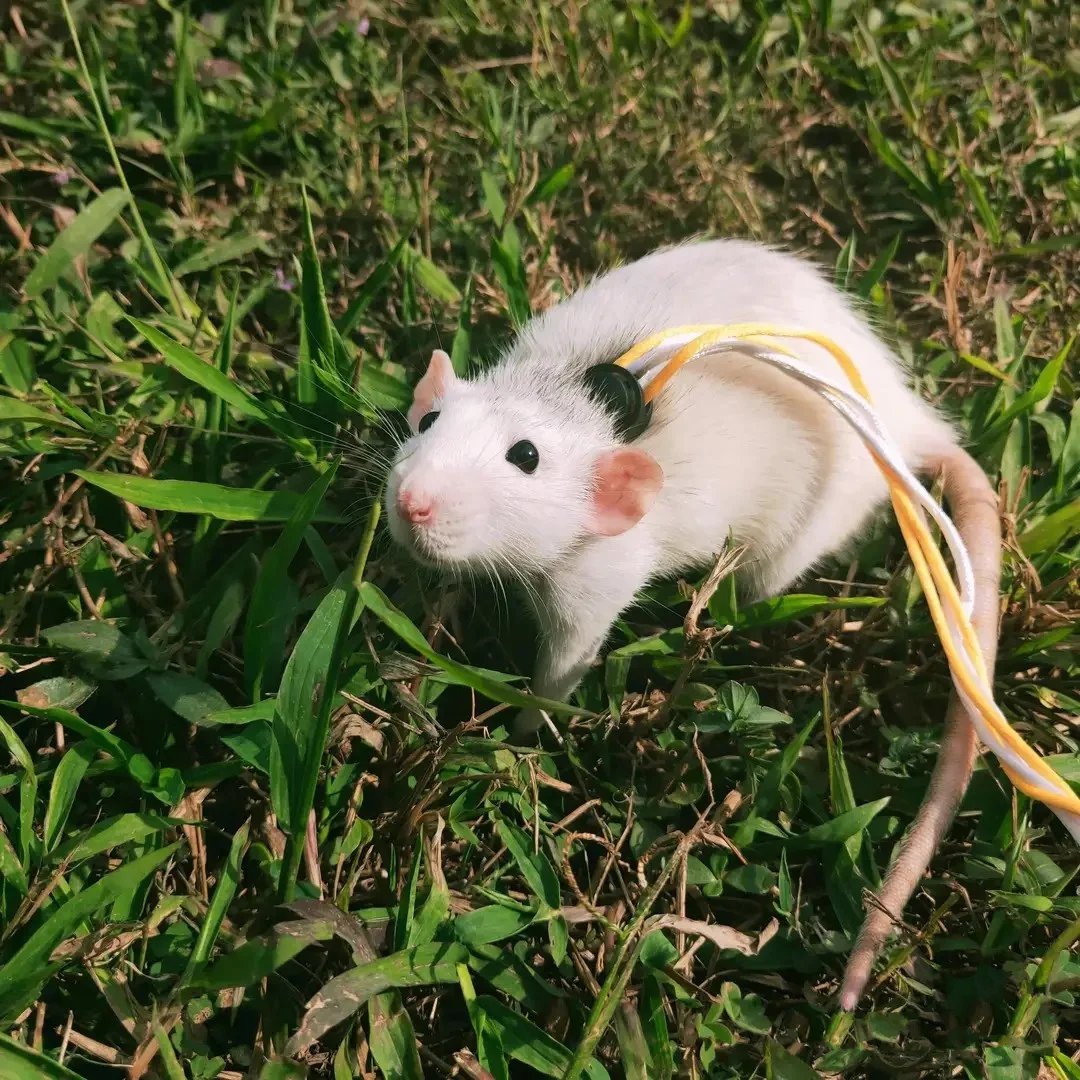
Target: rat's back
<point x="711" y="281"/>
<point x="746" y="451"/>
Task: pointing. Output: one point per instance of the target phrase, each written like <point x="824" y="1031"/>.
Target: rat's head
<point x="507" y="473"/>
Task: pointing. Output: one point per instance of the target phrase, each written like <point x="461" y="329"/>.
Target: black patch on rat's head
<point x="619" y="392"/>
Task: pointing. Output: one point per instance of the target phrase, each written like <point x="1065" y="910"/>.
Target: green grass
<point x="206" y="634"/>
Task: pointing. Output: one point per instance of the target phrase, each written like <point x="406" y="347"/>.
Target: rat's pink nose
<point x="416" y="509"/>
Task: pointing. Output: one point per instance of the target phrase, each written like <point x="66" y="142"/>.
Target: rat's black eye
<point x="524" y="455"/>
<point x="426" y="421"/>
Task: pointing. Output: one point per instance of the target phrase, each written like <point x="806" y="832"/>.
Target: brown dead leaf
<point x="17" y="229"/>
<point x="100" y="945"/>
<point x="33" y="696"/>
<point x="723" y="937"/>
<point x="470" y="1067"/>
<point x="952" y="287"/>
<point x="139" y="461"/>
<point x="137" y="516"/>
<point x="190" y="809"/>
<point x="216" y="67"/>
<point x="550" y="781"/>
<point x="275" y="838"/>
<point x="353" y="726"/>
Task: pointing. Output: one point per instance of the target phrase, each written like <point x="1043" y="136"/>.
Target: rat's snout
<point x="416" y="507"/>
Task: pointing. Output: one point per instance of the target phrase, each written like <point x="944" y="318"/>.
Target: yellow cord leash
<point x="656" y="361"/>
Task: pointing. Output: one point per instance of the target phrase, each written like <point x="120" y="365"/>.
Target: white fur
<point x="746" y="451"/>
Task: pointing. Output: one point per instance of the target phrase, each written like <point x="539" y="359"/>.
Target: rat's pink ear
<point x="436" y="381"/>
<point x="625" y="485"/>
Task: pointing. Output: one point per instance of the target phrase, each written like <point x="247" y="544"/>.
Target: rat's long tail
<point x="974" y="508"/>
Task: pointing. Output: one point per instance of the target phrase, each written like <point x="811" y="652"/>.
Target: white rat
<point x="519" y="471"/>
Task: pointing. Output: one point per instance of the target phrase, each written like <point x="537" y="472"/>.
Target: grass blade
<point x="537" y="871"/>
<point x="841" y="827"/>
<point x="373" y="284"/>
<point x="889" y="155"/>
<point x="28" y="786"/>
<point x="171" y="1063"/>
<point x="1052" y="531"/>
<point x="461" y="350"/>
<point x="654" y="1026"/>
<point x="221" y="251"/>
<point x="392" y="1038"/>
<point x="488" y="1046"/>
<point x="523" y="1041"/>
<point x="257" y="958"/>
<point x="377" y="603"/>
<point x="877" y="270"/>
<point x="216" y="420"/>
<point x="303" y="699"/>
<point x="23" y="412"/>
<point x="109" y="834"/>
<point x="431" y="279"/>
<point x="318" y="326"/>
<point x="548" y="186"/>
<point x="183" y="361"/>
<point x="195" y="497"/>
<point x="797" y="606"/>
<point x="636" y="1059"/>
<point x="12" y="871"/>
<point x="65" y="785"/>
<point x="981" y="201"/>
<point x="170" y="289"/>
<point x="491" y="923"/>
<point x="215" y="379"/>
<point x="219" y="905"/>
<point x="1041" y="389"/>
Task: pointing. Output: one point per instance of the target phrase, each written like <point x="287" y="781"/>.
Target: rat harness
<point x="630" y="384"/>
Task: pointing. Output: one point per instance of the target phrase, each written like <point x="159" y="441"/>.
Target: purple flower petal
<point x="363" y="26"/>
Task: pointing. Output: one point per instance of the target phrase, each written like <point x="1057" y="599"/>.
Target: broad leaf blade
<point x="21" y="1062"/>
<point x="295" y="758"/>
<point x="523" y="1041"/>
<point x="424" y="965"/>
<point x="392" y="1038"/>
<point x="257" y="958"/>
<point x="267" y="618"/>
<point x="74" y="241"/>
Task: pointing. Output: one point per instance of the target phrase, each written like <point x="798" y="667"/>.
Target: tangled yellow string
<point x="1024" y="767"/>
